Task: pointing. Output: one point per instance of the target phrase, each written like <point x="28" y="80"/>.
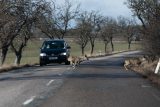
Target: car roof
<point x="52" y="40"/>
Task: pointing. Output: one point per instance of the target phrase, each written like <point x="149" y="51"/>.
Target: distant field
<point x="31" y="52"/>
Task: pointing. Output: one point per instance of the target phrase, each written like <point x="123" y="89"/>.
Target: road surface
<point x="100" y="82"/>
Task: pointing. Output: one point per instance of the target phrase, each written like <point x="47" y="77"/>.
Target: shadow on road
<point x="114" y="63"/>
<point x="74" y="75"/>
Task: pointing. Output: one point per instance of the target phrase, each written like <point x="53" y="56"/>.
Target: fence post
<point x="157" y="68"/>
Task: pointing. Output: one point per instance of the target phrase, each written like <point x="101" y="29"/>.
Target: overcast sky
<point x="113" y="8"/>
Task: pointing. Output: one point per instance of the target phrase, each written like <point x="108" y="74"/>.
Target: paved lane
<point x="30" y="86"/>
<point x="103" y="82"/>
<point x="100" y="82"/>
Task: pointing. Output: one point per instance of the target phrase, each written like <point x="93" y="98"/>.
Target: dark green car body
<point x="54" y="51"/>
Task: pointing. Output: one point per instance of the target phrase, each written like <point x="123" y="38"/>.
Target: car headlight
<point x="64" y="53"/>
<point x="43" y="54"/>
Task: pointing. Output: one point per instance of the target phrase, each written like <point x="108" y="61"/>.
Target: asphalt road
<point x="100" y="82"/>
<point x="30" y="86"/>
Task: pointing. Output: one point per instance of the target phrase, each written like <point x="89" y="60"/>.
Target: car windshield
<point x="53" y="45"/>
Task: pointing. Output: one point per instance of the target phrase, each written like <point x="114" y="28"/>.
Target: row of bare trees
<point x="93" y="25"/>
<point x="59" y="22"/>
<point x="19" y="19"/>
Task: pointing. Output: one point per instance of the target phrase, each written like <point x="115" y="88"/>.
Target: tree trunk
<point x="18" y="53"/>
<point x="112" y="44"/>
<point x="129" y="43"/>
<point x="3" y="54"/>
<point x="105" y="47"/>
<point x="63" y="34"/>
<point x="129" y="46"/>
<point x="82" y="51"/>
<point x="92" y="48"/>
<point x="18" y="58"/>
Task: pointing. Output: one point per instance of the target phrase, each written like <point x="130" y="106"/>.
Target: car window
<point x="53" y="45"/>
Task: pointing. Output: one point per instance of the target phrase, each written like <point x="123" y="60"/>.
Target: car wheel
<point x="67" y="63"/>
<point x="60" y="62"/>
<point x="41" y="64"/>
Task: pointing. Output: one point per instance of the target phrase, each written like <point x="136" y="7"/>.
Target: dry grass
<point x="145" y="68"/>
<point x="6" y="68"/>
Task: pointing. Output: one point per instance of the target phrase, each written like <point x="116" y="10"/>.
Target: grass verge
<point x="6" y="68"/>
<point x="146" y="69"/>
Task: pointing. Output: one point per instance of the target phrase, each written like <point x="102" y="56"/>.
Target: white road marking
<point x="50" y="82"/>
<point x="68" y="68"/>
<point x="59" y="74"/>
<point x="146" y="86"/>
<point x="157" y="97"/>
<point x="29" y="100"/>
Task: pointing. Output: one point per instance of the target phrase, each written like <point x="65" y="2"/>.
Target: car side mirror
<point x="68" y="47"/>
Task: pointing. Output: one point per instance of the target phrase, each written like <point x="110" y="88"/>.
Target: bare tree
<point x="131" y="32"/>
<point x="16" y="21"/>
<point x="148" y="12"/>
<point x="83" y="30"/>
<point x="95" y="21"/>
<point x="111" y="27"/>
<point x="107" y="30"/>
<point x="44" y="14"/>
<point x="65" y="14"/>
<point x="105" y="36"/>
<point x="11" y="23"/>
<point x="128" y="28"/>
<point x="34" y="11"/>
<point x="19" y="43"/>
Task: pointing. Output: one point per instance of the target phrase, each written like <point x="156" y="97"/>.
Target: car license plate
<point x="53" y="58"/>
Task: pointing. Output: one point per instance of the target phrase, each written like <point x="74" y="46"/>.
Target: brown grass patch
<point x="144" y="68"/>
<point x="6" y="68"/>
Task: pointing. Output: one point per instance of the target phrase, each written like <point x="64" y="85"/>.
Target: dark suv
<point x="54" y="51"/>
